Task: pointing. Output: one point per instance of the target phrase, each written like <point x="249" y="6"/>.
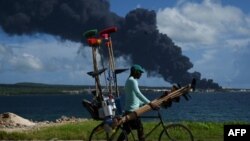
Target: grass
<point x="202" y="131"/>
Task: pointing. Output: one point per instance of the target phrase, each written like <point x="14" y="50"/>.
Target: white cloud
<point x="47" y="59"/>
<point x="238" y="44"/>
<point x="138" y="6"/>
<point x="5" y="52"/>
<point x="42" y="58"/>
<point x="179" y="27"/>
<point x="207" y="57"/>
<point x="11" y="61"/>
<point x="26" y="62"/>
<point x="216" y="38"/>
<point x="203" y="23"/>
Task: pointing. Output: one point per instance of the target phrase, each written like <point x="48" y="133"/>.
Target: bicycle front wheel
<point x="100" y="134"/>
<point x="176" y="132"/>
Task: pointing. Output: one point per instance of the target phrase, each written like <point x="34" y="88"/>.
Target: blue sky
<point x="214" y="34"/>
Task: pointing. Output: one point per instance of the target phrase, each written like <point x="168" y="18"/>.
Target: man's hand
<point x="167" y="103"/>
<point x="154" y="106"/>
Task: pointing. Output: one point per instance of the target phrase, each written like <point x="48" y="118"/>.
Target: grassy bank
<point x="202" y="131"/>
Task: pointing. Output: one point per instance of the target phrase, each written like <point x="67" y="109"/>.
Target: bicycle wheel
<point x="99" y="134"/>
<point x="176" y="132"/>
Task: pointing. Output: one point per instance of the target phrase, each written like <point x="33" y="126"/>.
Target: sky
<point x="214" y="34"/>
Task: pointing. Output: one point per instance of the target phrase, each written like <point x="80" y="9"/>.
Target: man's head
<point x="136" y="71"/>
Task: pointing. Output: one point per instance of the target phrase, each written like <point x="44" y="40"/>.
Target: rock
<point x="5" y="115"/>
<point x="11" y="120"/>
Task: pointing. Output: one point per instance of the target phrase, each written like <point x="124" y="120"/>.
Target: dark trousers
<point x="133" y="124"/>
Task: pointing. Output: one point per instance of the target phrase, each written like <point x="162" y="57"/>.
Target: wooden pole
<point x="113" y="64"/>
<point x="157" y="102"/>
<point x="97" y="80"/>
<point x="111" y="67"/>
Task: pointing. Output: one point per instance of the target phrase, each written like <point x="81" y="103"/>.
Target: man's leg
<point x="127" y="128"/>
<point x="140" y="130"/>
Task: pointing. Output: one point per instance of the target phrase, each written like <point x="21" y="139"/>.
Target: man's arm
<point x="138" y="93"/>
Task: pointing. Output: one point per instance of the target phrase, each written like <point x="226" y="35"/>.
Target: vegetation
<point x="36" y="88"/>
<point x="202" y="131"/>
<point x="40" y="89"/>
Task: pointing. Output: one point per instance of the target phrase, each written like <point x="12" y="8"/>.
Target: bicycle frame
<point x="166" y="132"/>
<point x="160" y="123"/>
<point x="167" y="128"/>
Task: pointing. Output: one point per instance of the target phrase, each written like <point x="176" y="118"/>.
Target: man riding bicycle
<point x="134" y="100"/>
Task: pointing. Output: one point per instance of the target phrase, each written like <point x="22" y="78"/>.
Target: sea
<point x="211" y="107"/>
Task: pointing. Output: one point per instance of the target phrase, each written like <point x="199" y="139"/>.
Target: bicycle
<point x="169" y="132"/>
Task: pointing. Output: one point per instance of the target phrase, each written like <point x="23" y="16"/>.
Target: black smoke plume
<point x="137" y="34"/>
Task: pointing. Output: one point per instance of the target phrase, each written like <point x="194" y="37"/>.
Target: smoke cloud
<point x="137" y="34"/>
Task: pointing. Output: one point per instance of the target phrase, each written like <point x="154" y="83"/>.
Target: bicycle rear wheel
<point x="176" y="132"/>
<point x="99" y="134"/>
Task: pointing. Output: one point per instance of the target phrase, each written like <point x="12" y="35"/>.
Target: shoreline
<point x="10" y="122"/>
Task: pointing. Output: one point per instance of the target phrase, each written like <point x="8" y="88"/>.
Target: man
<point x="134" y="100"/>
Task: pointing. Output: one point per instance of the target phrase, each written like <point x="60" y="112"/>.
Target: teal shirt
<point x="134" y="98"/>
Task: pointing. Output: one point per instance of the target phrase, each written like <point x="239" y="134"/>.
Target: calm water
<point x="202" y="107"/>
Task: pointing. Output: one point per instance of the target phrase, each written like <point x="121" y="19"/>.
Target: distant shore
<point x="48" y="89"/>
